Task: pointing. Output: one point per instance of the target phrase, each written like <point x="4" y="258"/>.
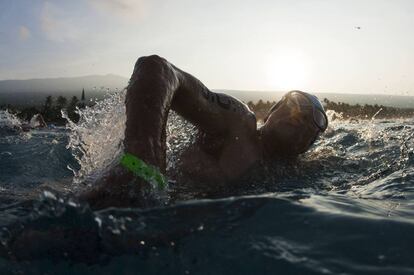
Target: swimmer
<point x="229" y="142"/>
<point x="37" y="121"/>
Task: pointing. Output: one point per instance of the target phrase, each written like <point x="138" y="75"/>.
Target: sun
<point x="287" y="71"/>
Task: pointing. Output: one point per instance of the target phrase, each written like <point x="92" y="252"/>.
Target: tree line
<point x="366" y="111"/>
<point x="50" y="110"/>
<point x="260" y="108"/>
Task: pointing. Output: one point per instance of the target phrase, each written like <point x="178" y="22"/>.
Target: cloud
<point x="127" y="10"/>
<point x="56" y="25"/>
<point x="24" y="33"/>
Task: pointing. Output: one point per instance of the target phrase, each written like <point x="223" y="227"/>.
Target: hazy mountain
<point x="63" y="85"/>
<point x="34" y="91"/>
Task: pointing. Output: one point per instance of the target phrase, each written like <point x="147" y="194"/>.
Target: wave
<point x="233" y="235"/>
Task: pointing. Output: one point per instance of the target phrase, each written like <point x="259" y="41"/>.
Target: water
<point x="345" y="207"/>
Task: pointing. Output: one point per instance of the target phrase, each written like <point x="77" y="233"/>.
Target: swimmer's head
<point x="293" y="124"/>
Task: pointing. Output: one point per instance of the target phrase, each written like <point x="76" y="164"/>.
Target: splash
<point x="9" y="120"/>
<point x="96" y="141"/>
<point x="371" y="153"/>
<point x="180" y="135"/>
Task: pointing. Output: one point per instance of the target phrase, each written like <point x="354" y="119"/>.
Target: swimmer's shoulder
<point x="233" y="105"/>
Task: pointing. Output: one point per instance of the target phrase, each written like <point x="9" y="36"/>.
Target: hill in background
<point x="32" y="92"/>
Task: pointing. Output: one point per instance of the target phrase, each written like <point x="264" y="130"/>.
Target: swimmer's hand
<point x="119" y="188"/>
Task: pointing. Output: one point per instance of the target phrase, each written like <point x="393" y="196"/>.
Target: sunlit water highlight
<point x="346" y="206"/>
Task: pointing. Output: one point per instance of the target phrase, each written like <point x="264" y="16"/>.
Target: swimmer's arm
<point x="149" y="95"/>
<point x="213" y="113"/>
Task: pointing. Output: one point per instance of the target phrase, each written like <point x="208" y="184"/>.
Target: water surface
<point x="345" y="207"/>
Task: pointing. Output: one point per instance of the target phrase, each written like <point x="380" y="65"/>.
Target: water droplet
<point x="99" y="221"/>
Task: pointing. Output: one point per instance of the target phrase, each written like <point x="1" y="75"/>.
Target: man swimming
<point x="229" y="142"/>
<point x="37" y="121"/>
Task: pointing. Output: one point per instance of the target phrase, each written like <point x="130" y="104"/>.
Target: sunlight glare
<point x="287" y="71"/>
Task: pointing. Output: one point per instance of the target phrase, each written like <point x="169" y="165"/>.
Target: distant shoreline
<point x="31" y="92"/>
<point x="343" y="110"/>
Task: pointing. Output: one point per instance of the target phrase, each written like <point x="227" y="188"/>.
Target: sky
<point x="344" y="46"/>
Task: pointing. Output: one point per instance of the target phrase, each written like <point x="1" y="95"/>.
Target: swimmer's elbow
<point x="151" y="62"/>
<point x="156" y="68"/>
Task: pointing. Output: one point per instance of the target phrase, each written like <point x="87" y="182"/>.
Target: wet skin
<point x="228" y="144"/>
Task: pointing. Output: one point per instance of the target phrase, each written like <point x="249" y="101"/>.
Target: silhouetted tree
<point x="61" y="102"/>
<point x="47" y="111"/>
<point x="72" y="109"/>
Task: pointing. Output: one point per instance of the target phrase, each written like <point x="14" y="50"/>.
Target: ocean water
<point x="344" y="207"/>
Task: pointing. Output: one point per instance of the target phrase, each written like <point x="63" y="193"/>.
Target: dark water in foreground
<point x="346" y="207"/>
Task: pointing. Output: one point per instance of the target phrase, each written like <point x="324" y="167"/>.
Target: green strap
<point x="143" y="170"/>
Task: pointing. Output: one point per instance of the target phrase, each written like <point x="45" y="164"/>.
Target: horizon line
<point x="213" y="89"/>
